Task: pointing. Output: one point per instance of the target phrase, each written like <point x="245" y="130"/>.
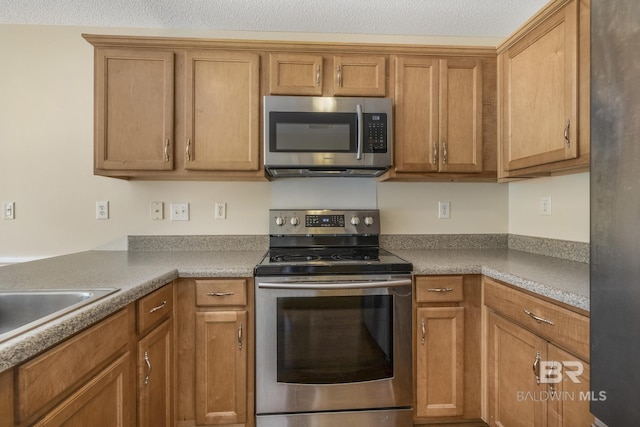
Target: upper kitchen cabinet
<point x="134" y="103"/>
<point x="543" y="85"/>
<point x="445" y="122"/>
<point x="222" y="111"/>
<point x="176" y="109"/>
<point x="331" y="75"/>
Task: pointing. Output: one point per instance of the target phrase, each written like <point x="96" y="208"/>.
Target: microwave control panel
<point x="375" y="133"/>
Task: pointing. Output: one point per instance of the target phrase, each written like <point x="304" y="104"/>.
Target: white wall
<point x="46" y="146"/>
<point x="569" y="218"/>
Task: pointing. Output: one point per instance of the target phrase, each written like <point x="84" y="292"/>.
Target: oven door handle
<point x="336" y="285"/>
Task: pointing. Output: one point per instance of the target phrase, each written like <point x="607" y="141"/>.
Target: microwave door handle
<point x="360" y="132"/>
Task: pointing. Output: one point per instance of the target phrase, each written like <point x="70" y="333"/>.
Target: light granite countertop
<point x="136" y="274"/>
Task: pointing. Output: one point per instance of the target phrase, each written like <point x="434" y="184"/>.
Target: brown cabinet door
<point x="155" y="377"/>
<point x="440" y="362"/>
<point x="515" y="399"/>
<point x="295" y="74"/>
<point x="221" y="367"/>
<point x="134" y="103"/>
<point x="222" y="111"/>
<point x="539" y="84"/>
<point x="568" y="389"/>
<point x="363" y="75"/>
<point x="460" y="121"/>
<point x="104" y="401"/>
<point x="416" y="114"/>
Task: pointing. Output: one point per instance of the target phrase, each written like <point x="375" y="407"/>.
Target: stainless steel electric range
<point x="333" y="324"/>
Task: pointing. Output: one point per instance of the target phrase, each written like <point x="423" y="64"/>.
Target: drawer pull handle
<point x="146" y="359"/>
<point x="538" y="318"/>
<point x="240" y="336"/>
<point x="424" y="332"/>
<point x="160" y="307"/>
<point x="220" y="294"/>
<point x="440" y="290"/>
<point x="536" y="367"/>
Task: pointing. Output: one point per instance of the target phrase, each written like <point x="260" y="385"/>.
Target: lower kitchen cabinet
<point x="447" y="368"/>
<point x="221" y="367"/>
<point x="214" y="347"/>
<point x="86" y="380"/>
<point x="100" y="402"/>
<point x="537" y="370"/>
<point x="440" y="362"/>
<point x="155" y="358"/>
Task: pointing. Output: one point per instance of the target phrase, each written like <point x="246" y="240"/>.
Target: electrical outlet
<point x="444" y="210"/>
<point x="545" y="205"/>
<point x="102" y="210"/>
<point x="221" y="210"/>
<point x="9" y="210"/>
<point x="156" y="211"/>
<point x="179" y="212"/>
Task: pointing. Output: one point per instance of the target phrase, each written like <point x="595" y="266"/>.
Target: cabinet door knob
<point x="188" y="149"/>
<point x="424" y="332"/>
<point x="567" y="126"/>
<point x="240" y="336"/>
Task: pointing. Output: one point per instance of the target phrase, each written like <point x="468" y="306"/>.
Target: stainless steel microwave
<point x="327" y="136"/>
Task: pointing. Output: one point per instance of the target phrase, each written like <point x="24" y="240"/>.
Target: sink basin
<point x="27" y="309"/>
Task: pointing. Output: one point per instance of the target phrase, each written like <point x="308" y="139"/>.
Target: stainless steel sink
<point x="27" y="309"/>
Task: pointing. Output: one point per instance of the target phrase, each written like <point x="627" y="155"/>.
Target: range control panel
<point x="324" y="221"/>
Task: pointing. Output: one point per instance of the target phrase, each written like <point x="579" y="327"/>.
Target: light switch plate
<point x="221" y="210"/>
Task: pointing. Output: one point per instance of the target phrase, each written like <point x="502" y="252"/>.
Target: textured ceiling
<point x="466" y="18"/>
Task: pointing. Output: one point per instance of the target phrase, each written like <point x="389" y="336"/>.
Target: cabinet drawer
<point x="559" y="325"/>
<point x="56" y="372"/>
<point x="154" y="308"/>
<point x="221" y="292"/>
<point x="439" y="288"/>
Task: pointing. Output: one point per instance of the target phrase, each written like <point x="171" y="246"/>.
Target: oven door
<point x="333" y="343"/>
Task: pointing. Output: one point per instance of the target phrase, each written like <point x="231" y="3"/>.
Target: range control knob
<point x="368" y="220"/>
<point x="355" y="220"/>
<point x="279" y="221"/>
<point x="294" y="221"/>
